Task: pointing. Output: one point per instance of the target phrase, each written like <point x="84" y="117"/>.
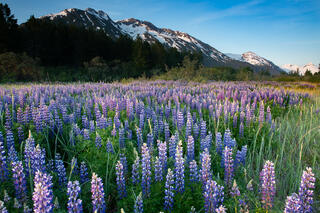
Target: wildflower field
<point x="160" y="146"/>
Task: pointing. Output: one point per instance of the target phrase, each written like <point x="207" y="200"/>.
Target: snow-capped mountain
<point x="301" y="69"/>
<point x="99" y="20"/>
<point x="257" y="61"/>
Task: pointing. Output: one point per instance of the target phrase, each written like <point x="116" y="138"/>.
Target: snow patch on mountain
<point x="301" y="69"/>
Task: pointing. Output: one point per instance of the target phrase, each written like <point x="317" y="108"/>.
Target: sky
<point x="283" y="31"/>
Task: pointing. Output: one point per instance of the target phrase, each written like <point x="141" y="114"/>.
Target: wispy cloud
<point x="237" y="10"/>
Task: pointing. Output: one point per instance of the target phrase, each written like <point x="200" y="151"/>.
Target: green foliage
<point x="18" y="67"/>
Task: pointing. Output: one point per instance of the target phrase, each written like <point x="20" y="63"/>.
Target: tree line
<point x="40" y="49"/>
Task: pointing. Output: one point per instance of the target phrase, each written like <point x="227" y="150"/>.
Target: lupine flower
<point x="10" y="140"/>
<point x="150" y="140"/>
<point x="16" y="204"/>
<point x="235" y="189"/>
<point x="19" y="180"/>
<point x="190" y="148"/>
<point x="228" y="166"/>
<point x="219" y="143"/>
<point x="97" y="191"/>
<point x="267" y="185"/>
<point x="109" y="147"/>
<point x="195" y="131"/>
<point x="20" y="134"/>
<point x="158" y="170"/>
<point x="3" y="163"/>
<point x="8" y="123"/>
<point x="307" y="185"/>
<point x="42" y="195"/>
<point x="139" y="138"/>
<point x="213" y="196"/>
<point x="172" y="146"/>
<point x="61" y="170"/>
<point x="241" y="156"/>
<point x="12" y="154"/>
<point x="261" y="113"/>
<point x="162" y="148"/>
<point x="138" y="205"/>
<point x="146" y="170"/>
<point x="121" y="183"/>
<point x="221" y="209"/>
<point x="135" y="171"/>
<point x="6" y="196"/>
<point x="123" y="161"/>
<point x="193" y="171"/>
<point x="121" y="138"/>
<point x="74" y="203"/>
<point x="293" y="204"/>
<point x="179" y="169"/>
<point x="241" y="130"/>
<point x="3" y="209"/>
<point x="169" y="191"/>
<point x="83" y="173"/>
<point x="203" y="129"/>
<point x="180" y="120"/>
<point x="56" y="203"/>
<point x="205" y="171"/>
<point x="38" y="159"/>
<point x="86" y="134"/>
<point x="98" y="140"/>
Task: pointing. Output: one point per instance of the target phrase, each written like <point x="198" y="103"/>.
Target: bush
<point x="19" y="67"/>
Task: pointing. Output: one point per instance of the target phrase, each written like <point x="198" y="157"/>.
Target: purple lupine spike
<point x="158" y="170"/>
<point x="139" y="138"/>
<point x="74" y="203"/>
<point x="97" y="191"/>
<point x="269" y="116"/>
<point x="19" y="180"/>
<point x="42" y="195"/>
<point x="267" y="185"/>
<point x="150" y="140"/>
<point x="98" y="140"/>
<point x="307" y="186"/>
<point x="219" y="143"/>
<point x="241" y="127"/>
<point x="83" y="173"/>
<point x="194" y="176"/>
<point x="235" y="192"/>
<point x="195" y="131"/>
<point x="166" y="131"/>
<point x="3" y="163"/>
<point x="138" y="205"/>
<point x="146" y="170"/>
<point x="135" y="171"/>
<point x="203" y="129"/>
<point x="205" y="172"/>
<point x="190" y="148"/>
<point x="180" y="120"/>
<point x="86" y="134"/>
<point x="1" y="137"/>
<point x="188" y="128"/>
<point x="172" y="146"/>
<point x="241" y="156"/>
<point x="38" y="160"/>
<point x="293" y="204"/>
<point x="12" y="155"/>
<point x="61" y="170"/>
<point x="121" y="138"/>
<point x="92" y="126"/>
<point x="121" y="183"/>
<point x="8" y="123"/>
<point x="20" y="134"/>
<point x="10" y="139"/>
<point x="228" y="166"/>
<point x="3" y="209"/>
<point x="109" y="147"/>
<point x="179" y="169"/>
<point x="169" y="191"/>
<point x="213" y="196"/>
<point x="162" y="148"/>
<point x="261" y="113"/>
<point x="123" y="161"/>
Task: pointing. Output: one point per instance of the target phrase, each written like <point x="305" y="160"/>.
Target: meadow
<point x="160" y="146"/>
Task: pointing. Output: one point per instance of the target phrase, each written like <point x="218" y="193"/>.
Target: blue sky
<point x="283" y="31"/>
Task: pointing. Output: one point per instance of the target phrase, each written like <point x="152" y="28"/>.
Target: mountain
<point x="99" y="20"/>
<point x="257" y="61"/>
<point x="302" y="69"/>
